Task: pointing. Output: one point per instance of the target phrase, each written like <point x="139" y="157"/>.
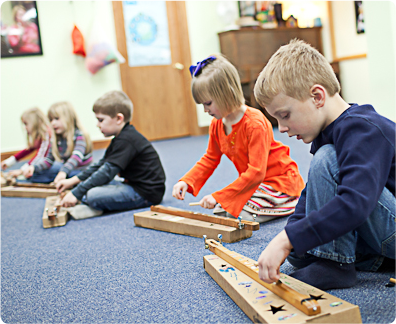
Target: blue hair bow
<point x="195" y="70"/>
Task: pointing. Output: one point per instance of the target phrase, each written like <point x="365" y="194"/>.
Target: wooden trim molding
<point x="101" y="144"/>
<point x="96" y="145"/>
<point x="333" y="42"/>
<point x="351" y="57"/>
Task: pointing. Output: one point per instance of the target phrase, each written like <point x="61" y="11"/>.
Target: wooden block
<point x="27" y="192"/>
<point x="186" y="226"/>
<point x="263" y="306"/>
<point x="49" y="220"/>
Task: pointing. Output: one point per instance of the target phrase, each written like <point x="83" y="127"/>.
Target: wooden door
<point x="161" y="95"/>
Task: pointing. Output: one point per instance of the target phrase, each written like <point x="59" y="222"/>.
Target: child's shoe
<point x="83" y="211"/>
<point x="327" y="274"/>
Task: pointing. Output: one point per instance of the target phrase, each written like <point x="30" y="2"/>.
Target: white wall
<point x="58" y="74"/>
<point x="381" y="53"/>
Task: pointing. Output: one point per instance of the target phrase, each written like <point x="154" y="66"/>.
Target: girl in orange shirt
<point x="269" y="182"/>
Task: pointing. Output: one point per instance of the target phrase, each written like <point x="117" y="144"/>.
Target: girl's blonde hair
<point x="65" y="112"/>
<point x="219" y="81"/>
<point x="39" y="124"/>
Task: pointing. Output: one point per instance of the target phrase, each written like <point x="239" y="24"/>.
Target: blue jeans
<point x="48" y="176"/>
<point x="114" y="196"/>
<point x="369" y="243"/>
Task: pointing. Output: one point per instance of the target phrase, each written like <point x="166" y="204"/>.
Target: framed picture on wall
<point x="359" y="17"/>
<point x="20" y="32"/>
<point x="247" y="8"/>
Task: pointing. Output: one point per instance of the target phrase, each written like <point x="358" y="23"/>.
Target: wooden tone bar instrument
<point x="237" y="223"/>
<point x="305" y="303"/>
<point x="35" y="185"/>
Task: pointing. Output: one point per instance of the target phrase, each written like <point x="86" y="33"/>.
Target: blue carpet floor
<point x="106" y="270"/>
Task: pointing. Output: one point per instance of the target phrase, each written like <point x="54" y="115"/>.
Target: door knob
<point x="178" y="66"/>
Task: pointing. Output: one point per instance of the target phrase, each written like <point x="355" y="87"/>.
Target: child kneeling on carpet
<point x="70" y="150"/>
<point x="345" y="217"/>
<point x="269" y="182"/>
<point x="129" y="154"/>
<point x="38" y="132"/>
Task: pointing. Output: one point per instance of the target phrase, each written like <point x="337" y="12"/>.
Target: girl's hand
<point x="273" y="256"/>
<point x="28" y="172"/>
<point x="60" y="176"/>
<point x="4" y="165"/>
<point x="208" y="202"/>
<point x="179" y="190"/>
<point x="69" y="200"/>
<point x="15" y="173"/>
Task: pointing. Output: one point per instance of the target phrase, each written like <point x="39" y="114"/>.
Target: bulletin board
<point x="347" y="43"/>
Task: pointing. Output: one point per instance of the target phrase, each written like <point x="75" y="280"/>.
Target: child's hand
<point x="67" y="183"/>
<point x="62" y="185"/>
<point x="60" y="176"/>
<point x="208" y="202"/>
<point x="15" y="173"/>
<point x="28" y="172"/>
<point x="273" y="256"/>
<point x="179" y="190"/>
<point x="69" y="200"/>
<point x="4" y="165"/>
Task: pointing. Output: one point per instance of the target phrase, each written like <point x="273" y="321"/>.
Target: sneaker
<point x="83" y="211"/>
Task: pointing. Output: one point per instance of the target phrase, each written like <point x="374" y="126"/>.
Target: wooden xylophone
<point x="184" y="222"/>
<point x="29" y="190"/>
<point x="288" y="299"/>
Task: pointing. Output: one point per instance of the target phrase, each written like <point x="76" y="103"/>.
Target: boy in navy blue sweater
<point x="345" y="218"/>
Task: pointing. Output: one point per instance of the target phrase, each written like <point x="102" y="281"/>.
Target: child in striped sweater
<point x="70" y="151"/>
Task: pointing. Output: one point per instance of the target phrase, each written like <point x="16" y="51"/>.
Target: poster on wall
<point x="359" y="17"/>
<point x="146" y="31"/>
<point x="20" y="32"/>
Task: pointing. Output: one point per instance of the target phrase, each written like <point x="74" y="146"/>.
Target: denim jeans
<point x="48" y="176"/>
<point x="369" y="243"/>
<point x="114" y="196"/>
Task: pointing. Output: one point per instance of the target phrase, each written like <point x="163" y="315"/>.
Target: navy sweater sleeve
<point x="102" y="176"/>
<point x="364" y="155"/>
<point x="299" y="211"/>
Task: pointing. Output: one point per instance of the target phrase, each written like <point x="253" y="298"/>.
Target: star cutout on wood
<point x="275" y="309"/>
<point x="317" y="297"/>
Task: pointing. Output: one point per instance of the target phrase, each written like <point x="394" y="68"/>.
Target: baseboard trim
<point x="96" y="145"/>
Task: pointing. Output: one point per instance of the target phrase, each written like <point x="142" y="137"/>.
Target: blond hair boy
<point x="345" y="218"/>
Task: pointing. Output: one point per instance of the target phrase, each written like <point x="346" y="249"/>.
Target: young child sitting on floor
<point x="269" y="182"/>
<point x="129" y="154"/>
<point x="70" y="149"/>
<point x="38" y="132"/>
<point x="345" y="218"/>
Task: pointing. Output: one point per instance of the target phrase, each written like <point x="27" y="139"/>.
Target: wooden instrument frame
<point x="304" y="303"/>
<point x="54" y="215"/>
<point x="28" y="190"/>
<point x="195" y="224"/>
<point x="251" y="226"/>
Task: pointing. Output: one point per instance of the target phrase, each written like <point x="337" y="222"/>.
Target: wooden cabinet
<point x="249" y="49"/>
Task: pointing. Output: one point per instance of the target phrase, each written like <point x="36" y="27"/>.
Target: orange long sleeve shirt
<point x="257" y="157"/>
